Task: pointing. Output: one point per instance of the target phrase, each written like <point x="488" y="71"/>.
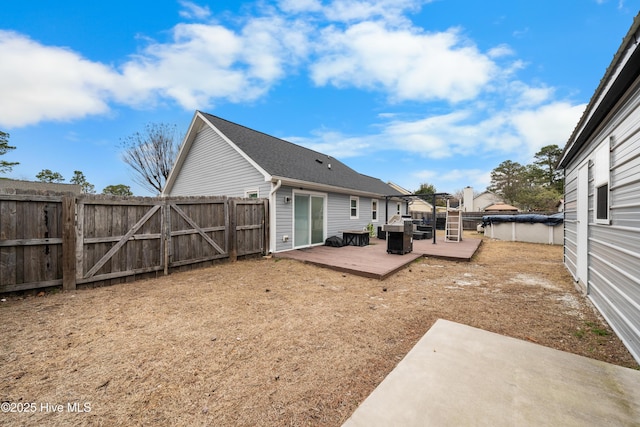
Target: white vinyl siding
<point x="213" y="168"/>
<point x="612" y="243"/>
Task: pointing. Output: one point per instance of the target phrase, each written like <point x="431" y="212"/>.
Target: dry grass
<point x="272" y="342"/>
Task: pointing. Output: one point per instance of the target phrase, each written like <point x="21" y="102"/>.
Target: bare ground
<point x="271" y="341"/>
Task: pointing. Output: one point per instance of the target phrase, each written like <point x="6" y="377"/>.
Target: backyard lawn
<point x="270" y="341"/>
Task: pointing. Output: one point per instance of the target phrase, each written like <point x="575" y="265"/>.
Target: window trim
<point x="602" y="178"/>
<point x="374" y="211"/>
<point x="248" y="193"/>
<point x="357" y="207"/>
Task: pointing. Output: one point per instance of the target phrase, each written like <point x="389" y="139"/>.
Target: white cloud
<point x="200" y="65"/>
<point x="407" y="65"/>
<point x="300" y="6"/>
<point x="519" y="133"/>
<point x="206" y="62"/>
<point x="193" y="11"/>
<point x="500" y="51"/>
<point x="455" y="179"/>
<point x="549" y="124"/>
<point x="362" y="10"/>
<point x="463" y="133"/>
<point x="49" y="83"/>
<point x="334" y="143"/>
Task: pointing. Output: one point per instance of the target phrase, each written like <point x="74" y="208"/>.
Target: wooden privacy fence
<point x="69" y="240"/>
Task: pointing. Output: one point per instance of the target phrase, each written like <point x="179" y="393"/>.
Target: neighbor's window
<point x="252" y="194"/>
<point x="601" y="176"/>
<point x="374" y="210"/>
<point x="354" y="201"/>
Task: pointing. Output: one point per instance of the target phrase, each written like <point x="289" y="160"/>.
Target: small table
<point x="355" y="238"/>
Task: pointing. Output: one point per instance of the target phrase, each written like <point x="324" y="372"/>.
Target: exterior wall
<point x="570" y="224"/>
<point x="613" y="248"/>
<point x="7" y="185"/>
<point x="525" y="232"/>
<point x="337" y="214"/>
<point x="213" y="168"/>
<point x="284" y="219"/>
<point x="484" y="200"/>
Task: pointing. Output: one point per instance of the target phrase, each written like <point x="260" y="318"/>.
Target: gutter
<point x="272" y="215"/>
<point x="327" y="188"/>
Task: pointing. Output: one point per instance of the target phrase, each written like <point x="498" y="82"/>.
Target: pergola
<point x="408" y="197"/>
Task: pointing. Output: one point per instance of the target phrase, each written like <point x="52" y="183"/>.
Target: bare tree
<point x="151" y="154"/>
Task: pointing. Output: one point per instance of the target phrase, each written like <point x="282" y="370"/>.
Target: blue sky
<point x="408" y="91"/>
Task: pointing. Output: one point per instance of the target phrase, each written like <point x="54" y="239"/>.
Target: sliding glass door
<point x="309" y="219"/>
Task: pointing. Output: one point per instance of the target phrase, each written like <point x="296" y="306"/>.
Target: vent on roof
<point x="319" y="161"/>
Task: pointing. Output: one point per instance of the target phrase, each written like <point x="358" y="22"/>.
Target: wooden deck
<point x="374" y="261"/>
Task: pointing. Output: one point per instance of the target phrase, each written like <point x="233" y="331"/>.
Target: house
<point x="479" y="203"/>
<point x="311" y="195"/>
<point x="500" y="207"/>
<point x="14" y="185"/>
<point x="486" y="199"/>
<point x="601" y="163"/>
<point x="418" y="207"/>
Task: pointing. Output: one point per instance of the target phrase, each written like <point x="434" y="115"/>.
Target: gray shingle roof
<point x="284" y="159"/>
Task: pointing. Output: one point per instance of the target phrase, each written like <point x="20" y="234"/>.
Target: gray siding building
<point x="601" y="163"/>
<point x="311" y="195"/>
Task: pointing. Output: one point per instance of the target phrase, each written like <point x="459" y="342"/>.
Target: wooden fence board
<point x="71" y="240"/>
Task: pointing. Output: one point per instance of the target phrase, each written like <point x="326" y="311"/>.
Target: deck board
<point x="374" y="261"/>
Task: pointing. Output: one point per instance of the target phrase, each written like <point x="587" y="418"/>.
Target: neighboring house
<point x="484" y="200"/>
<point x="500" y="207"/>
<point x="417" y="206"/>
<point x="480" y="202"/>
<point x="311" y="195"/>
<point x="13" y="184"/>
<point x="601" y="163"/>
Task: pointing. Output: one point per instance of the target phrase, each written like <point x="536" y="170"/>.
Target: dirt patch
<point x="272" y="341"/>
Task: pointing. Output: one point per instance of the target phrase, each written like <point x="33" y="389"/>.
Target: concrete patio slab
<point x="457" y="375"/>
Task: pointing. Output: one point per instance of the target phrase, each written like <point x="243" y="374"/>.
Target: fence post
<point x="233" y="244"/>
<point x="68" y="243"/>
<point x="265" y="224"/>
<point x="166" y="235"/>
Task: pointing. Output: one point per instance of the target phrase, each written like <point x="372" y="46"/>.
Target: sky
<point x="409" y="91"/>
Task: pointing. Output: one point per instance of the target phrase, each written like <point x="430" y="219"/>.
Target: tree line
<point x="150" y="154"/>
<point x="538" y="186"/>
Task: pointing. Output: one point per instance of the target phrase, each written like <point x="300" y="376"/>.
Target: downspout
<point x="272" y="215"/>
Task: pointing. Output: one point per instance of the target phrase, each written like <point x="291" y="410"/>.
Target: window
<point x="601" y="176"/>
<point x="354" y="201"/>
<point x="374" y="210"/>
<point x="252" y="194"/>
<point x="602" y="202"/>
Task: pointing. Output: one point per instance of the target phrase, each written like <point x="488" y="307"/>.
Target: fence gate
<point x="118" y="238"/>
<point x="248" y="226"/>
<point x="197" y="232"/>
